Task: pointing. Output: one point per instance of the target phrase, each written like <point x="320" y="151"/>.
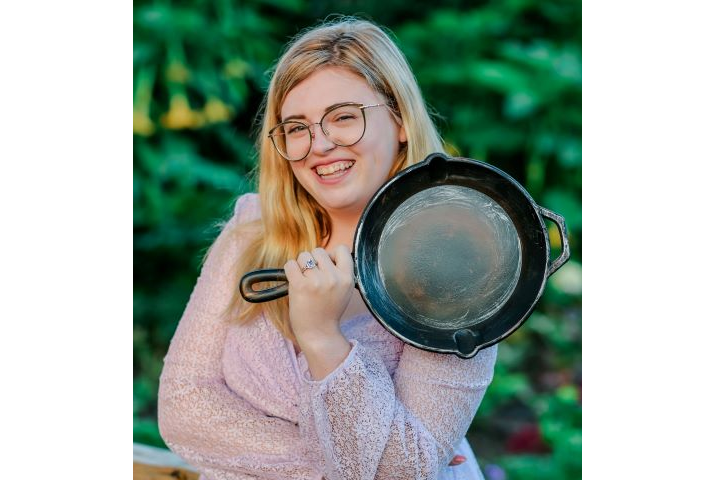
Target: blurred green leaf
<point x="570" y="152"/>
<point x="500" y="76"/>
<point x="565" y="204"/>
<point x="568" y="279"/>
<point x="520" y="104"/>
<point x="146" y="431"/>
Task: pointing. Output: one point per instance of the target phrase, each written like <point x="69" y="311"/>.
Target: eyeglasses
<point x="344" y="125"/>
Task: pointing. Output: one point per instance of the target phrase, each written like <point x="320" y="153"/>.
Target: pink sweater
<point x="237" y="402"/>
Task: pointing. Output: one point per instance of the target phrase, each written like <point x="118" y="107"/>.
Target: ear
<point x="402" y="136"/>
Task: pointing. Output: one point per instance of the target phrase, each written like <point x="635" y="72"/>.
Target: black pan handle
<point x="268" y="275"/>
<point x="560" y="222"/>
<point x="258" y="276"/>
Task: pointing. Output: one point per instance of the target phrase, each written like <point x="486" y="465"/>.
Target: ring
<point x="310" y="264"/>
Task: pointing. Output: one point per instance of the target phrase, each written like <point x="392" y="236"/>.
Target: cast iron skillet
<point x="451" y="256"/>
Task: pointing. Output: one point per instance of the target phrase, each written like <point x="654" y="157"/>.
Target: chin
<point x="342" y="203"/>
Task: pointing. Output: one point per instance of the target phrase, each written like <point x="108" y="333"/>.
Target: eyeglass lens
<point x="343" y="125"/>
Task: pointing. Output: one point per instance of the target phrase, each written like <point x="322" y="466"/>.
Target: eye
<point x="294" y="128"/>
<point x="345" y="116"/>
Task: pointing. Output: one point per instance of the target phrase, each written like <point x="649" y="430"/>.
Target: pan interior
<point x="449" y="257"/>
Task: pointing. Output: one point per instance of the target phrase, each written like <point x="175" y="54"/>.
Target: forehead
<point x="325" y="87"/>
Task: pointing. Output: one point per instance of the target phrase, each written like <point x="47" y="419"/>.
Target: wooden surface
<point x="154" y="472"/>
<point x="152" y="463"/>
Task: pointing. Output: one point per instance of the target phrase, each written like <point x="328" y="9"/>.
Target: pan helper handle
<point x="560" y="222"/>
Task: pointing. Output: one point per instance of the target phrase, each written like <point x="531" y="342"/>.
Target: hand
<point x="457" y="460"/>
<point x="319" y="296"/>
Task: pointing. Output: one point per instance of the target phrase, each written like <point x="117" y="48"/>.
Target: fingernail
<point x="461" y="458"/>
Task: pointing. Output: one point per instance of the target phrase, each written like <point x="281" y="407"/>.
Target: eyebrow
<point x="327" y="109"/>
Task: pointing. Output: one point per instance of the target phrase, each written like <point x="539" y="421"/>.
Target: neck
<point x="343" y="229"/>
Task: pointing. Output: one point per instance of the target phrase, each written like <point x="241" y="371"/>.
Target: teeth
<point x="330" y="169"/>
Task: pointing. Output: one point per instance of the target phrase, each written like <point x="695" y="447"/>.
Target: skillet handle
<point x="560" y="222"/>
<point x="257" y="276"/>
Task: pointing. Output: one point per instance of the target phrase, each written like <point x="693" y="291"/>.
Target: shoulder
<point x="247" y="208"/>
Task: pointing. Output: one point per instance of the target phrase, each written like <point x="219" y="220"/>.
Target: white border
<point x="66" y="157"/>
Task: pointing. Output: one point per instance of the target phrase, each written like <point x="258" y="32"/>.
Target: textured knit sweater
<point x="237" y="402"/>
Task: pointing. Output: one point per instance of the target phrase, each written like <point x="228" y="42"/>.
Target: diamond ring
<point x="310" y="264"/>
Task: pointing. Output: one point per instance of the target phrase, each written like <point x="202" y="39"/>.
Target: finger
<point x="332" y="254"/>
<point x="342" y="258"/>
<point x="457" y="460"/>
<point x="292" y="271"/>
<point x="303" y="259"/>
<point x="322" y="257"/>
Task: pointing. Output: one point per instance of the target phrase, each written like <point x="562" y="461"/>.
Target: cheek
<point x="388" y="156"/>
<point x="298" y="170"/>
<point x="300" y="176"/>
<point x="383" y="150"/>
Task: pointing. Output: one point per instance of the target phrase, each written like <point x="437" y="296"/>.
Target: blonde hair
<point x="291" y="220"/>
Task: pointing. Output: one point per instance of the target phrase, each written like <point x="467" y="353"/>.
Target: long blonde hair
<point x="291" y="220"/>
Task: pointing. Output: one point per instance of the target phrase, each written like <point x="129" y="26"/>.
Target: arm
<point x="199" y="417"/>
<point x="370" y="426"/>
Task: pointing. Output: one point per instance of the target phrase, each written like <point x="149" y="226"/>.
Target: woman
<point x="312" y="386"/>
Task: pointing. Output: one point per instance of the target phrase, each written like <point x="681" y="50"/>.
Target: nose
<point x="320" y="142"/>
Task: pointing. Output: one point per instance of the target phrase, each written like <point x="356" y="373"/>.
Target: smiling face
<point x="343" y="179"/>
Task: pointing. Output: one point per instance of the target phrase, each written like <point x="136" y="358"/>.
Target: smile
<point x="334" y="169"/>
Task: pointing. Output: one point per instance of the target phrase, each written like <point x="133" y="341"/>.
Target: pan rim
<point x="482" y="333"/>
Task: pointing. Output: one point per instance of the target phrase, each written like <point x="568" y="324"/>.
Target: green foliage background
<point x="504" y="78"/>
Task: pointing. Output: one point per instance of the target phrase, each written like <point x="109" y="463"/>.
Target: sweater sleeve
<point x="371" y="425"/>
<point x="200" y="418"/>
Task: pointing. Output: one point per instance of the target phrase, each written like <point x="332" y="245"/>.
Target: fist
<point x="320" y="294"/>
